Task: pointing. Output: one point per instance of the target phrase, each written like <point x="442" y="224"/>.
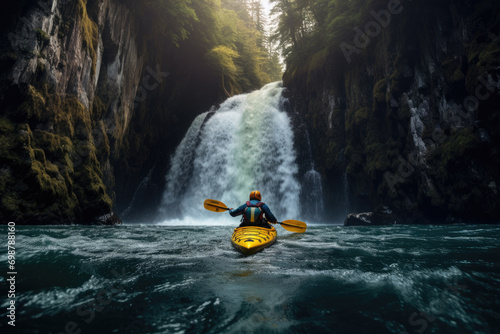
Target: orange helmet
<point x="255" y="195"/>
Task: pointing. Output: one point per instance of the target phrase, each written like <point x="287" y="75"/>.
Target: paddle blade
<point x="215" y="206"/>
<point x="294" y="226"/>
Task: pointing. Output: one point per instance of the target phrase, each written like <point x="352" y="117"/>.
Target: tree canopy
<point x="228" y="37"/>
<point x="311" y="32"/>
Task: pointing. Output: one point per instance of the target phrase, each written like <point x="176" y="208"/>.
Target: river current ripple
<point x="188" y="279"/>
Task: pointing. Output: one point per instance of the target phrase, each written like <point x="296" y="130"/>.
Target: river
<point x="185" y="277"/>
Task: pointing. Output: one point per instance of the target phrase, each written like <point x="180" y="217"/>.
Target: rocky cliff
<point x="70" y="75"/>
<point x="406" y="108"/>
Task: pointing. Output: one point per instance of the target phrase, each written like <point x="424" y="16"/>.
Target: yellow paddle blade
<point x="294" y="226"/>
<point x="215" y="206"/>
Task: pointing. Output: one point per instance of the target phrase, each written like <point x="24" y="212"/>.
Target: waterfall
<point x="312" y="196"/>
<point x="312" y="189"/>
<point x="247" y="144"/>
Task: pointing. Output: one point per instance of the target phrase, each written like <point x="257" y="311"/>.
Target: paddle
<point x="215" y="206"/>
<point x="289" y="225"/>
<point x="294" y="226"/>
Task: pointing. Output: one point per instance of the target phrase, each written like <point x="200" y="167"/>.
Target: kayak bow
<point x="251" y="239"/>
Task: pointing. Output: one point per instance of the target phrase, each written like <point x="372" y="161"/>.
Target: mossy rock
<point x="99" y="108"/>
<point x="40" y="155"/>
<point x="379" y="92"/>
<point x="490" y="55"/>
<point x="59" y="170"/>
<point x="5" y="178"/>
<point x="452" y="67"/>
<point x="316" y="63"/>
<point x="459" y="142"/>
<point x="6" y="125"/>
<point x="33" y="106"/>
<point x="42" y="36"/>
<point x="451" y="155"/>
<point x="89" y="33"/>
<point x="396" y="81"/>
<point x="376" y="160"/>
<point x="64" y="28"/>
<point x="55" y="146"/>
<point x="355" y="158"/>
<point x="15" y="143"/>
<point x="332" y="151"/>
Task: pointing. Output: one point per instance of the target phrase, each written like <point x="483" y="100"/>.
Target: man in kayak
<point x="255" y="212"/>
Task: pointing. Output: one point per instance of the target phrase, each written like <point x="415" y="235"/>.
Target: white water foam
<point x="245" y="145"/>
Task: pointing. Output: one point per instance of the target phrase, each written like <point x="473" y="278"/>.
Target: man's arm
<point x="269" y="214"/>
<point x="238" y="211"/>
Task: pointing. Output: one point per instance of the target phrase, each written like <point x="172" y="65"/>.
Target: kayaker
<point x="255" y="212"/>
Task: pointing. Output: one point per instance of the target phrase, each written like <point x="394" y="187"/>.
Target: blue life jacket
<point x="253" y="213"/>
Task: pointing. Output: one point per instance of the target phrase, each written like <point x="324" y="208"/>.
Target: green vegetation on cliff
<point x="51" y="172"/>
<point x="228" y="36"/>
<point x="89" y="32"/>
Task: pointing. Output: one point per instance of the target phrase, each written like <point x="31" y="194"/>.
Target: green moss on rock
<point x="490" y="55"/>
<point x="450" y="171"/>
<point x="42" y="35"/>
<point x="89" y="32"/>
<point x="51" y="176"/>
<point x="33" y="106"/>
<point x="379" y="92"/>
<point x="459" y="142"/>
<point x="452" y="67"/>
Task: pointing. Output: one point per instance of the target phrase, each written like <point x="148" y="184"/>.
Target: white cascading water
<point x="247" y="144"/>
<point x="312" y="190"/>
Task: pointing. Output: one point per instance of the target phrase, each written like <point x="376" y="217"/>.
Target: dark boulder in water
<point x="108" y="219"/>
<point x="382" y="216"/>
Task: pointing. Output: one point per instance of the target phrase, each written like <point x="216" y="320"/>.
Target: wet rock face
<point x="413" y="121"/>
<point x="108" y="219"/>
<point x="62" y="43"/>
<point x="71" y="69"/>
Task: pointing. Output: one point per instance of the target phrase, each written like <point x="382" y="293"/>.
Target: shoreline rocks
<point x="382" y="217"/>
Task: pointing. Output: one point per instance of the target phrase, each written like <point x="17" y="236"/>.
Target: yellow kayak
<point x="251" y="239"/>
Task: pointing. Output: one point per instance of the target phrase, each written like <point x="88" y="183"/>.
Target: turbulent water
<point x="189" y="279"/>
<point x="246" y="144"/>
